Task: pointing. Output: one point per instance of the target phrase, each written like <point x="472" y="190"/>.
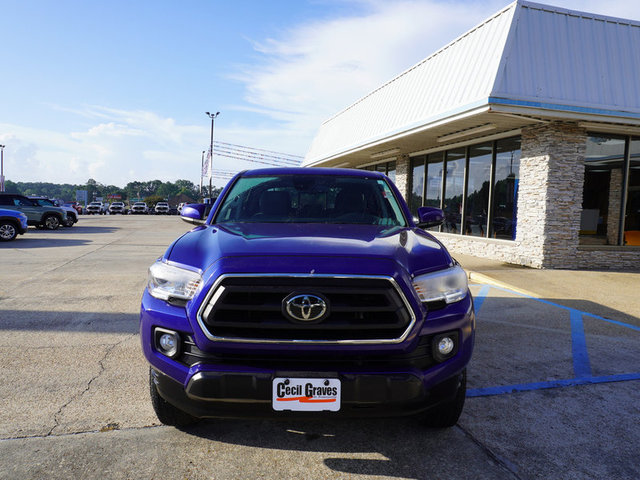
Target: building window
<point x="611" y="193"/>
<point x="388" y="168"/>
<point x="417" y="183"/>
<point x="391" y="171"/>
<point x="505" y="189"/>
<point x="463" y="178"/>
<point x="478" y="182"/>
<point x="632" y="211"/>
<point x="435" y="174"/>
<point x="454" y="190"/>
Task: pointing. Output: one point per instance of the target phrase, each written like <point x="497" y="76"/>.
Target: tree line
<point x="157" y="189"/>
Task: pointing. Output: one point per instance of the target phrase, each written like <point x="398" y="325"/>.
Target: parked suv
<point x="72" y="214"/>
<point x="139" y="207"/>
<point x="12" y="224"/>
<point x="307" y="292"/>
<point x="162" y="208"/>
<point x="96" y="208"/>
<point x="43" y="216"/>
<point x="117" y="207"/>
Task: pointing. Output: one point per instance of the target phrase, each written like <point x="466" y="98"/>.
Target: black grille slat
<point x="420" y="358"/>
<point x="359" y="309"/>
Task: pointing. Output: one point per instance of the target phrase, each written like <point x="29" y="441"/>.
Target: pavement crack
<point x="82" y="432"/>
<point x="503" y="463"/>
<point x="57" y="416"/>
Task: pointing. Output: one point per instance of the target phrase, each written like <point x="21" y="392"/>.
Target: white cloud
<point x="118" y="148"/>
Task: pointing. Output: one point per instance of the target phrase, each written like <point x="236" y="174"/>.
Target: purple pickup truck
<point x="307" y="292"/>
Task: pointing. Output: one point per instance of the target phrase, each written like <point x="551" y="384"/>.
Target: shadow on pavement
<point x="64" y="321"/>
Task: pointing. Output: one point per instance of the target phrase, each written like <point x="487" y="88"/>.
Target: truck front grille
<point x="361" y="310"/>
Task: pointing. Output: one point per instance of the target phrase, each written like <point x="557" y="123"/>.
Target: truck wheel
<point x="51" y="222"/>
<point x="7" y="231"/>
<point x="167" y="413"/>
<point x="447" y="414"/>
<point x="70" y="221"/>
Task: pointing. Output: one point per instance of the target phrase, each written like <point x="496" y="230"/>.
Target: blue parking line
<point x="552" y="304"/>
<point x="571" y="382"/>
<point x="581" y="364"/>
<point x="479" y="299"/>
<point x="580" y="354"/>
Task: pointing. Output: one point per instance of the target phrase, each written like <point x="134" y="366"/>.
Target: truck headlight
<point x="449" y="285"/>
<point x="168" y="281"/>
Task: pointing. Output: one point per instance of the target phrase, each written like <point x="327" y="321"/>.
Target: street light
<point x="201" y="172"/>
<point x="212" y="116"/>
<point x="2" y="168"/>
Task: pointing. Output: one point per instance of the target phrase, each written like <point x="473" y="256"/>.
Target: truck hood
<point x="302" y="248"/>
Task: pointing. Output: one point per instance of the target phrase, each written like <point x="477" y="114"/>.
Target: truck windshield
<point x="311" y="199"/>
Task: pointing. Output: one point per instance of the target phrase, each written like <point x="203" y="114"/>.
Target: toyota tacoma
<point x="307" y="292"/>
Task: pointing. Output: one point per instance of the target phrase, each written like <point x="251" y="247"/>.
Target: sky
<point x="117" y="90"/>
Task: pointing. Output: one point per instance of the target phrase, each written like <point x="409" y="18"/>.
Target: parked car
<point x="181" y="206"/>
<point x="308" y="292"/>
<point x="72" y="214"/>
<point x="96" y="208"/>
<point x="162" y="208"/>
<point x="118" y="207"/>
<point x="37" y="215"/>
<point x="12" y="224"/>
<point x="140" y="208"/>
<point x="74" y="205"/>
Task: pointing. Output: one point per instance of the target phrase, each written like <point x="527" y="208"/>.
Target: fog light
<point x="167" y="342"/>
<point x="445" y="346"/>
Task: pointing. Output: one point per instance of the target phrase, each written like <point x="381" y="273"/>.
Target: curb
<point x="481" y="278"/>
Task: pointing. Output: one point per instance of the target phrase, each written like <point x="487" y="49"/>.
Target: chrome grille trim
<point x="214" y="291"/>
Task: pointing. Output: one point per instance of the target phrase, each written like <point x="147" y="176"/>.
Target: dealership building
<point x="524" y="130"/>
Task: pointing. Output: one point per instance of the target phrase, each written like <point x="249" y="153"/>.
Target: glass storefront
<point x="632" y="211"/>
<point x="611" y="187"/>
<point x="468" y="187"/>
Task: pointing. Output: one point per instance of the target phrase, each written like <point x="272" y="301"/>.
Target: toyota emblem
<point x="305" y="307"/>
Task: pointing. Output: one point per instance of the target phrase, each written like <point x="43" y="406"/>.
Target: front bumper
<point x="377" y="380"/>
<point x="219" y="394"/>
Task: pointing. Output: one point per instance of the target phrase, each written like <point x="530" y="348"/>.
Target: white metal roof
<point x="525" y="56"/>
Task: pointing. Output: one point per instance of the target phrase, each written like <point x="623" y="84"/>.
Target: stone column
<point x="615" y="198"/>
<point x="550" y="194"/>
<point x="403" y="165"/>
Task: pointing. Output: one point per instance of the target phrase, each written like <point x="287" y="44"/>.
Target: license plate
<point x="306" y="394"/>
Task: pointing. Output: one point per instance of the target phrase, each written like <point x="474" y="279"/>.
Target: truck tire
<point x="8" y="231"/>
<point x="51" y="222"/>
<point x="70" y="221"/>
<point x="447" y="414"/>
<point x="167" y="413"/>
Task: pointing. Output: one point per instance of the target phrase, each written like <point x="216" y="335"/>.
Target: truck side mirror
<point x="194" y="213"/>
<point x="430" y="217"/>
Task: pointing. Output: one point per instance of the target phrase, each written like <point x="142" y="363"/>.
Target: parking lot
<point x="554" y="385"/>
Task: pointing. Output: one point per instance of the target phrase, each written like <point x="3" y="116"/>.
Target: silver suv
<point x="140" y="207"/>
<point x="95" y="208"/>
<point x="162" y="208"/>
<point x="117" y="207"/>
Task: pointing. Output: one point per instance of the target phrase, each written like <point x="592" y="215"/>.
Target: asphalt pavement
<point x="554" y="384"/>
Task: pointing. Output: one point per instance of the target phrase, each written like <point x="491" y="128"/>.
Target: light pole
<point x="212" y="116"/>
<point x="2" y="168"/>
<point x="201" y="171"/>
